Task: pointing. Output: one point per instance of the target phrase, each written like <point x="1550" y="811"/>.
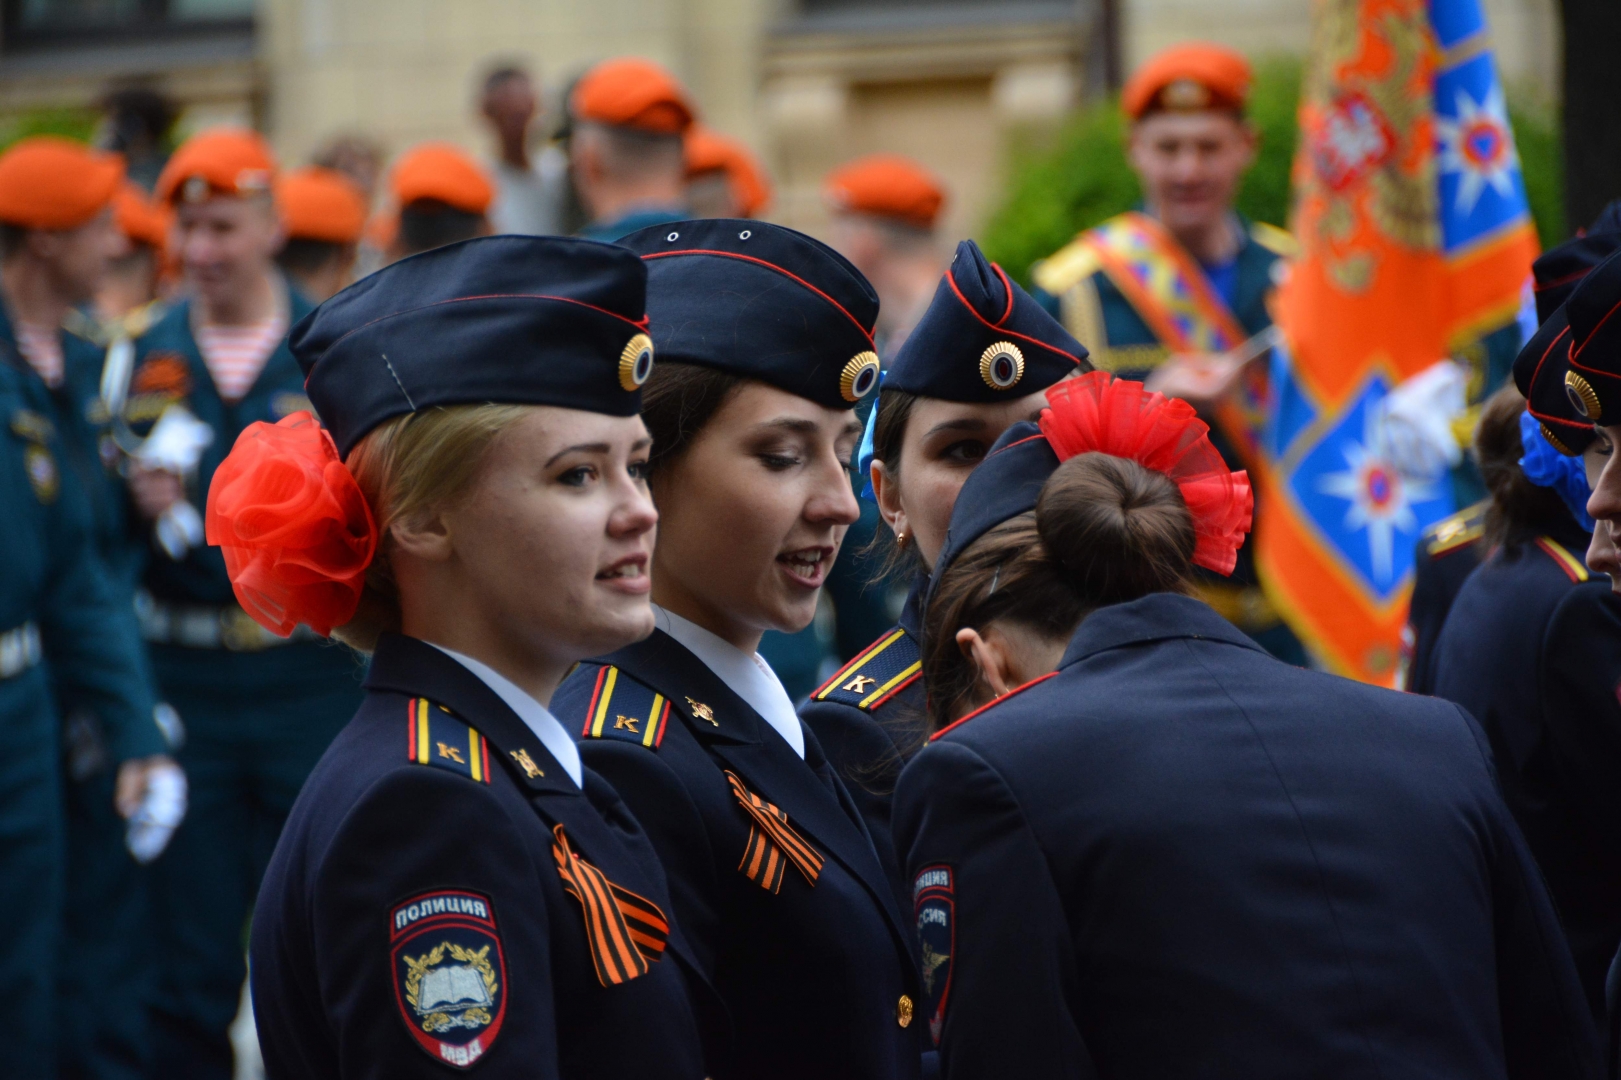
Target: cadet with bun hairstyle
<point x="454" y="889"/>
<point x="1142" y="845"/>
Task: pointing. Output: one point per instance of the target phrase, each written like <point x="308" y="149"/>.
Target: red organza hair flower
<point x="1097" y="412"/>
<point x="295" y="530"/>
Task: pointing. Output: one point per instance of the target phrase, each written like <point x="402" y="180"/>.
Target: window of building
<point x="64" y="22"/>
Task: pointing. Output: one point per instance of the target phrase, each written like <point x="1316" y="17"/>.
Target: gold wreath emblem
<point x="859" y="376"/>
<point x="1001" y="365"/>
<point x="1582" y="396"/>
<point x="636" y="362"/>
<point x="1553" y="441"/>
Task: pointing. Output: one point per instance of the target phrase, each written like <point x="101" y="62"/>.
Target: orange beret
<point x="1188" y="78"/>
<point x="321" y="204"/>
<point x="48" y="182"/>
<point x="220" y="161"/>
<point x="437" y="170"/>
<point x="140" y="218"/>
<point x="634" y="93"/>
<point x="887" y="185"/>
<point x="710" y="151"/>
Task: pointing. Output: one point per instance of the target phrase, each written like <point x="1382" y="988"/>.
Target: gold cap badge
<point x="636" y="362"/>
<point x="859" y="376"/>
<point x="1583" y="398"/>
<point x="1001" y="365"/>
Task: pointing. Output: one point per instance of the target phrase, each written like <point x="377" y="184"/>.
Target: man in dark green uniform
<point x="1175" y="294"/>
<point x="257" y="710"/>
<point x="69" y="642"/>
<point x="626" y="156"/>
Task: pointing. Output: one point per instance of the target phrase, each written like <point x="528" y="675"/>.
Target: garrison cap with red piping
<point x="220" y="161"/>
<point x="632" y="92"/>
<point x="886" y="185"/>
<point x="1593" y="383"/>
<point x="762" y="302"/>
<point x="1191" y="77"/>
<point x="48" y="182"/>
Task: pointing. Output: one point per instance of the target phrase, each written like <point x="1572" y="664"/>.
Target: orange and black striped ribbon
<point x="627" y="932"/>
<point x="773" y="843"/>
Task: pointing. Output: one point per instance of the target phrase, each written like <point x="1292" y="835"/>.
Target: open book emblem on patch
<point x="449" y="974"/>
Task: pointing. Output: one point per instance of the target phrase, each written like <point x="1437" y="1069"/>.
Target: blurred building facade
<point x="808" y="83"/>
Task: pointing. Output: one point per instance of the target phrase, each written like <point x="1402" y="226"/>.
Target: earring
<point x="900" y="538"/>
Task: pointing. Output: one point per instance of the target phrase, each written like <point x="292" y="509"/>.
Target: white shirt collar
<point x="749" y="677"/>
<point x="534" y="715"/>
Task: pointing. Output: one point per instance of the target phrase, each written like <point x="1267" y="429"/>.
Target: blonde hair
<point x="407" y="466"/>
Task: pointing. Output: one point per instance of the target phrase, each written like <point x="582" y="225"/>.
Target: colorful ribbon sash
<point x="773" y="843"/>
<point x="627" y="932"/>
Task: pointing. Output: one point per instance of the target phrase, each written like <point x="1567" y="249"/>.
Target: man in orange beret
<point x="133" y="282"/>
<point x="626" y="155"/>
<point x="885" y="208"/>
<point x="257" y="710"/>
<point x="70" y="655"/>
<point x="324" y="215"/>
<point x="724" y="180"/>
<point x="1175" y="293"/>
<point x="443" y="197"/>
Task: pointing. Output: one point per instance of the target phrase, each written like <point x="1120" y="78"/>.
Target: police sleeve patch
<point x="450" y="978"/>
<point x="622" y="708"/>
<point x="935" y="901"/>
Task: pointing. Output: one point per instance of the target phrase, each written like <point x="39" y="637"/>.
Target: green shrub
<point x="1082" y="177"/>
<point x="74" y="123"/>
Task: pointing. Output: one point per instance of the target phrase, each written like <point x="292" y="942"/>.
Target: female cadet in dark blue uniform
<point x="1532" y="648"/>
<point x="765" y="342"/>
<point x="452" y="887"/>
<point x="1169" y="853"/>
<point x="981" y="358"/>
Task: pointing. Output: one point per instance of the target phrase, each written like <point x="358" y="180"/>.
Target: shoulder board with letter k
<point x="878" y="672"/>
<point x="625" y="709"/>
<point x="436" y="736"/>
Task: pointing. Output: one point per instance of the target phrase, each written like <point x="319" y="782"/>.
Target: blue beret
<point x="983" y="339"/>
<point x="763" y="302"/>
<point x="1003" y="486"/>
<point x="1539" y="372"/>
<point x="1593" y="383"/>
<point x="513" y="320"/>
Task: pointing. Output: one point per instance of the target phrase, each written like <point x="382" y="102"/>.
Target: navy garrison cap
<point x="512" y="320"/>
<point x="1593" y="383"/>
<point x="763" y="302"/>
<point x="983" y="339"/>
<point x="1539" y="372"/>
<point x="1003" y="486"/>
<point x="1558" y="271"/>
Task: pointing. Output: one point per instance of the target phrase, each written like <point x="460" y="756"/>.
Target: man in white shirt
<point x="528" y="194"/>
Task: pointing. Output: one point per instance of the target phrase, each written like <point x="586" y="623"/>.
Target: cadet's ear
<point x="887" y="492"/>
<point x="424" y="536"/>
<point x="990" y="655"/>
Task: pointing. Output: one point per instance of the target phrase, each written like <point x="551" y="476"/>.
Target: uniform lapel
<point x="740" y="738"/>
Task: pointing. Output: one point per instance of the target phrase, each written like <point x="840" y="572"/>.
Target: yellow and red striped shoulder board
<point x="992" y="703"/>
<point x="879" y="672"/>
<point x="1456" y="530"/>
<point x="437" y="736"/>
<point x="1573" y="567"/>
<point x="624" y="709"/>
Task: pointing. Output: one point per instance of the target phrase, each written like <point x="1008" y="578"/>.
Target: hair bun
<point x="1118" y="530"/>
<point x="295" y="530"/>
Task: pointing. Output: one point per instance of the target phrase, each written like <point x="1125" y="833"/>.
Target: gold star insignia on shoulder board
<point x="703" y="712"/>
<point x="527" y="764"/>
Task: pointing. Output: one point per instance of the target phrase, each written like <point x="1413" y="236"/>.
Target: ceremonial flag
<point x="1416" y="238"/>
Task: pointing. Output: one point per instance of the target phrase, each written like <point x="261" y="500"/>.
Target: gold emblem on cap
<point x="1185" y="94"/>
<point x="195" y="189"/>
<point x="1582" y="396"/>
<point x="636" y="362"/>
<point x="1553" y="441"/>
<point x="859" y="376"/>
<point x="1001" y="365"/>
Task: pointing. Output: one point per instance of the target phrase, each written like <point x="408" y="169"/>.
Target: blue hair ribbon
<point x="1546" y="467"/>
<point x="864" y="452"/>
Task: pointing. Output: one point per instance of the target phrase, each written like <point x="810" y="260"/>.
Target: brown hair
<point x="1516" y="503"/>
<point x="404" y="467"/>
<point x="892" y="560"/>
<point x="678" y="401"/>
<point x="1105" y="530"/>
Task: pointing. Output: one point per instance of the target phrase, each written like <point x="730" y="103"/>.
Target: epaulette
<point x="623" y="708"/>
<point x="1455" y="531"/>
<point x="1278" y="241"/>
<point x="878" y="672"/>
<point x="1066" y="267"/>
<point x="992" y="703"/>
<point x="1573" y="567"/>
<point x="437" y="736"/>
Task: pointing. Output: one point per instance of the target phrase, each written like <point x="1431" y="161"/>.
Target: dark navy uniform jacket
<point x="1177" y="856"/>
<point x="1448" y="553"/>
<point x="820" y="980"/>
<point x="870" y="718"/>
<point x="414" y="919"/>
<point x="1533" y="648"/>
